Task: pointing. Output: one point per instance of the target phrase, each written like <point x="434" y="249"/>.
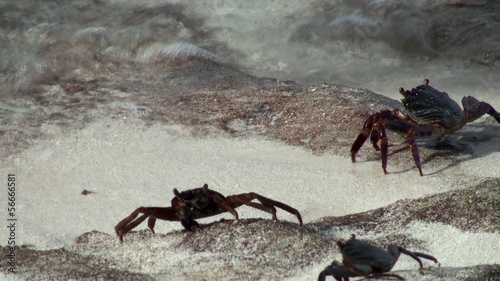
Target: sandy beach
<point x="126" y="164"/>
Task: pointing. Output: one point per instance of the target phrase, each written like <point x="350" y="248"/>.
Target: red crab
<point x="198" y="203"/>
<point x="429" y="113"/>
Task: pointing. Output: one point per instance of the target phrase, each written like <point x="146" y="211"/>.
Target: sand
<point x="126" y="164"/>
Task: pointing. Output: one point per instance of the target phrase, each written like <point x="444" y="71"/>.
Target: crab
<point x="198" y="203"/>
<point x="361" y="259"/>
<point x="430" y="112"/>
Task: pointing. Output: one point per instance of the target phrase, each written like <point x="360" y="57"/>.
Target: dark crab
<point x="360" y="259"/>
<point x="198" y="203"/>
<point x="429" y="113"/>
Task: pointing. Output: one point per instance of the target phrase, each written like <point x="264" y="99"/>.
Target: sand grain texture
<point x="130" y="144"/>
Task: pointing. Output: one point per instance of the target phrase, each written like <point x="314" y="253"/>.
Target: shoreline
<point x="120" y="164"/>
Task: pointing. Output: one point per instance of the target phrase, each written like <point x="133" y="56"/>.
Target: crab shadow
<point x="473" y="142"/>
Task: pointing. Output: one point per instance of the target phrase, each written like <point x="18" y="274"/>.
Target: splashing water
<point x="378" y="44"/>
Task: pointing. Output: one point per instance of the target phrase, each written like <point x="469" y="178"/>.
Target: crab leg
<point x="365" y="132"/>
<point x="368" y="128"/>
<point x="411" y="137"/>
<point x="493" y="113"/>
<point x="337" y="271"/>
<point x="473" y="109"/>
<point x="265" y="208"/>
<point x="396" y="251"/>
<point x="274" y="203"/>
<point x="384" y="145"/>
<point x="268" y="205"/>
<point x="426" y="256"/>
<point x="225" y="204"/>
<point x="130" y="222"/>
<point x="416" y="255"/>
<point x="375" y="137"/>
<point x="352" y="267"/>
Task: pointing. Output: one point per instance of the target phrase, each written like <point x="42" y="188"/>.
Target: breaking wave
<point x="377" y="44"/>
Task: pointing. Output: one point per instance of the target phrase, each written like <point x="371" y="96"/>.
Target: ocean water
<point x="376" y="44"/>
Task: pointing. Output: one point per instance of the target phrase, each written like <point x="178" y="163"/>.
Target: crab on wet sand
<point x="198" y="203"/>
<point x="361" y="259"/>
<point x="430" y="112"/>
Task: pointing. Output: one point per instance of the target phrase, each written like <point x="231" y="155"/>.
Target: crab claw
<point x="404" y="92"/>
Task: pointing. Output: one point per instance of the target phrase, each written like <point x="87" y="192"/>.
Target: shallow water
<point x="375" y="44"/>
<point x="380" y="45"/>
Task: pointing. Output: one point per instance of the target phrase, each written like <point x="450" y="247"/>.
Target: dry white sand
<point x="126" y="165"/>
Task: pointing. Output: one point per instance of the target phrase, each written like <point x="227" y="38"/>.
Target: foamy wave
<point x="363" y="43"/>
<point x="160" y="51"/>
<point x="354" y="25"/>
